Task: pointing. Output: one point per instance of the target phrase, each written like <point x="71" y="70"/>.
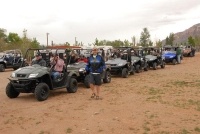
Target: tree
<point x="117" y="43"/>
<point x="150" y="43"/>
<point x="126" y="43"/>
<point x="197" y="41"/>
<point x="170" y="39"/>
<point x="3" y="38"/>
<point x="35" y="43"/>
<point x="102" y="43"/>
<point x="134" y="40"/>
<point x="67" y="44"/>
<point x="191" y="41"/>
<point x="108" y="43"/>
<point x="96" y="43"/>
<point x="2" y="34"/>
<point x="159" y="43"/>
<point x="167" y="41"/>
<point x="138" y="44"/>
<point x="14" y="41"/>
<point x="13" y="37"/>
<point x="145" y="37"/>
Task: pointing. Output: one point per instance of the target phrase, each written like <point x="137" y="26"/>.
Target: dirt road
<point x="159" y="101"/>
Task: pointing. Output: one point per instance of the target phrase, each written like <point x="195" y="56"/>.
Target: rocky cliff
<point x="182" y="37"/>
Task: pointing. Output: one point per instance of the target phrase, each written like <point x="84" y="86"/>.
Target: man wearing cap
<point x="38" y="60"/>
<point x="95" y="66"/>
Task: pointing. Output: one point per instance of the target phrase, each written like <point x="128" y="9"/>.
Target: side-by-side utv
<point x="37" y="79"/>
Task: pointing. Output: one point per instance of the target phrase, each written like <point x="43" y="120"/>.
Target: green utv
<point x="37" y="79"/>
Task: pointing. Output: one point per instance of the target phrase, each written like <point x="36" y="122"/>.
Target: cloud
<point x="90" y="19"/>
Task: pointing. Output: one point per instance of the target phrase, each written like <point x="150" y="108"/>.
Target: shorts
<point x="95" y="79"/>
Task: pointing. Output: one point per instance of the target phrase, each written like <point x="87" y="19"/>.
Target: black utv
<point x="10" y="59"/>
<point x="77" y="69"/>
<point x="139" y="61"/>
<point x="122" y="65"/>
<point x="154" y="57"/>
<point x="37" y="79"/>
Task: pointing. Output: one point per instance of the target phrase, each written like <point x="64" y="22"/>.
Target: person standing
<point x="193" y="51"/>
<point x="95" y="67"/>
<point x="178" y="54"/>
<point x="72" y="58"/>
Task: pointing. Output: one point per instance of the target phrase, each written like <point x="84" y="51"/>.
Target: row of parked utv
<point x="126" y="60"/>
<point x="122" y="61"/>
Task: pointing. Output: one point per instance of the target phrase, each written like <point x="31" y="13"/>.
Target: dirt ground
<point x="163" y="101"/>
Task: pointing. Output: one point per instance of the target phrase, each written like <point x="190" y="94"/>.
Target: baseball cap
<point x="38" y="54"/>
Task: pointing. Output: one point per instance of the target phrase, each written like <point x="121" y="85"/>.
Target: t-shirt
<point x="59" y="65"/>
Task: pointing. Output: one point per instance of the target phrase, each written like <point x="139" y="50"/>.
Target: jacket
<point x="178" y="51"/>
<point x="95" y="65"/>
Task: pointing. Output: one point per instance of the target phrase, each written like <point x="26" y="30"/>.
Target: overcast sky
<point x="103" y="19"/>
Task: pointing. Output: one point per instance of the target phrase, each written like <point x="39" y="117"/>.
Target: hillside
<point x="182" y="37"/>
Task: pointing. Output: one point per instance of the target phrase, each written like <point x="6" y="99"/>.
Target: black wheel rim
<point x="44" y="92"/>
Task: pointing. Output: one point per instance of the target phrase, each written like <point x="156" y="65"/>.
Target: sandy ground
<point x="163" y="101"/>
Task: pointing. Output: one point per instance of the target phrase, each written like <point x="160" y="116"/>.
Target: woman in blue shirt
<point x="95" y="67"/>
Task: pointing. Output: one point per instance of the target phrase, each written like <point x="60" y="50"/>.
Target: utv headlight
<point x="120" y="64"/>
<point x="81" y="70"/>
<point x="171" y="56"/>
<point x="32" y="75"/>
<point x="13" y="75"/>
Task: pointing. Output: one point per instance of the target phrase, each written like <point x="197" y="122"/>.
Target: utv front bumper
<point x="23" y="85"/>
<point x="116" y="70"/>
<point x="169" y="60"/>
